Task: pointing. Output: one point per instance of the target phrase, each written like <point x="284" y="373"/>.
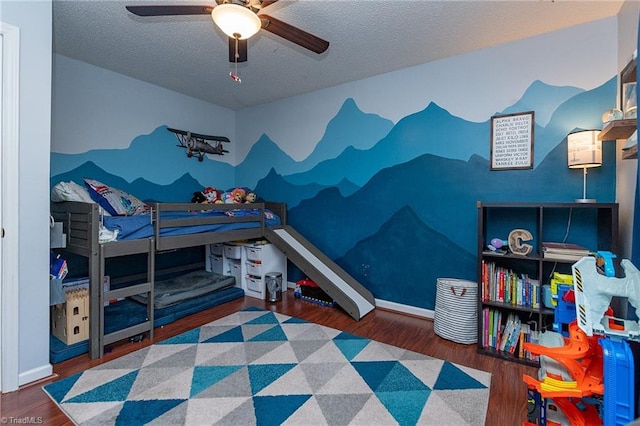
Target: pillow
<point x="70" y="191"/>
<point x="113" y="200"/>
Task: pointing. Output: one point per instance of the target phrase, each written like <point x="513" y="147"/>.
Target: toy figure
<point x="212" y="195"/>
<point x="250" y="197"/>
<point x="198" y="197"/>
<point x="234" y="197"/>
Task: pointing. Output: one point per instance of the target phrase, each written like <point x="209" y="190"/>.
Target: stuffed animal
<point x="212" y="195"/>
<point x="198" y="197"/>
<point x="234" y="197"/>
<point x="250" y="197"/>
<point x="208" y="196"/>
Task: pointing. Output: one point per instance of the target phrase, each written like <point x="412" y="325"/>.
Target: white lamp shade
<point x="584" y="149"/>
<point x="235" y="19"/>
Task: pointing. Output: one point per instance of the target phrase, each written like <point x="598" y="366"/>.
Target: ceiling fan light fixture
<point x="235" y="20"/>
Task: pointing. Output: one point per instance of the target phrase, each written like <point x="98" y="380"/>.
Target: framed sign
<point x="512" y="141"/>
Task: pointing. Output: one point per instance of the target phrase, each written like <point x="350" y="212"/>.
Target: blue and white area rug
<point x="264" y="368"/>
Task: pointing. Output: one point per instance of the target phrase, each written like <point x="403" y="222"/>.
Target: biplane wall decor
<point x="199" y="145"/>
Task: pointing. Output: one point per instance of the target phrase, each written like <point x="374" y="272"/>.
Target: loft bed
<point x="167" y="226"/>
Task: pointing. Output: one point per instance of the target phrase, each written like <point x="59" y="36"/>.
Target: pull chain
<point x="232" y="74"/>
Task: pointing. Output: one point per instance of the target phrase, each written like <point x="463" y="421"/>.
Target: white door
<point x="9" y="266"/>
<point x="1" y="190"/>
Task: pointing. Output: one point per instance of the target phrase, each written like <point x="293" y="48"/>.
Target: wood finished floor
<point x="507" y="404"/>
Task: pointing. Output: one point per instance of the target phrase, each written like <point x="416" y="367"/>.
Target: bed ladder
<point x="98" y="338"/>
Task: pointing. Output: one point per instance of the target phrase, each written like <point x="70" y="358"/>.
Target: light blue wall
<point x="34" y="21"/>
<point x="382" y="174"/>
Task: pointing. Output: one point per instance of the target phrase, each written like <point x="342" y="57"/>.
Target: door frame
<point x="9" y="222"/>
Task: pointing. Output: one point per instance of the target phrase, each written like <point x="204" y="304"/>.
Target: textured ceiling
<point x="189" y="55"/>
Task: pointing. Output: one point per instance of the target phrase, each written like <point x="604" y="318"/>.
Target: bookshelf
<point x="510" y="285"/>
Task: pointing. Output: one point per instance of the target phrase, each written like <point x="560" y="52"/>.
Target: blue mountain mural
<point x="543" y="99"/>
<point x="153" y="157"/>
<point x="349" y="128"/>
<point x="385" y="262"/>
<point x="435" y="131"/>
<point x="180" y="190"/>
<point x="395" y="206"/>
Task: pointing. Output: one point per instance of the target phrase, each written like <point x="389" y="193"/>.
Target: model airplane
<point x="199" y="144"/>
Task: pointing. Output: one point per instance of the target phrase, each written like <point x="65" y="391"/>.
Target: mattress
<point x="127" y="313"/>
<point x="185" y="287"/>
<point x="139" y="227"/>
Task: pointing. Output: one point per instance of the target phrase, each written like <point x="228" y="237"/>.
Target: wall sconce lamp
<point x="236" y="21"/>
<point x="584" y="151"/>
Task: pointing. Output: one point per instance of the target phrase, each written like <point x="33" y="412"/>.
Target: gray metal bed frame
<point x="81" y="224"/>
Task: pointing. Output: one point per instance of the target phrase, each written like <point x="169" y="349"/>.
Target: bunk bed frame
<point x="81" y="224"/>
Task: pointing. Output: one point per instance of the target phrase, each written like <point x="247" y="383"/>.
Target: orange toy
<point x="581" y="357"/>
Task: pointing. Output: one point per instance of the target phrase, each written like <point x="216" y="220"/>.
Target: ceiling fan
<point x="239" y="20"/>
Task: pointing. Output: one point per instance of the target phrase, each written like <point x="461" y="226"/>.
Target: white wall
<point x="34" y="18"/>
<point x="626" y="169"/>
<point x="109" y="115"/>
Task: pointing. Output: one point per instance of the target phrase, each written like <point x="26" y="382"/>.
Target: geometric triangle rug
<point x="257" y="367"/>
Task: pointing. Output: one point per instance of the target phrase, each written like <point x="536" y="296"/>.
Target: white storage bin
<point x="254" y="269"/>
<point x="216" y="263"/>
<point x="233" y="251"/>
<point x="254" y="253"/>
<point x="216" y="249"/>
<point x="456" y="312"/>
<point x="254" y="283"/>
<point x="235" y="270"/>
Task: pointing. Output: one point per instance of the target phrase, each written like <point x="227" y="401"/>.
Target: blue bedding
<point x="139" y="227"/>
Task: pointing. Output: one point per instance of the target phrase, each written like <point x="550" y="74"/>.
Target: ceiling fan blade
<point x="293" y="34"/>
<point x="265" y="3"/>
<point x="242" y="50"/>
<point x="169" y="10"/>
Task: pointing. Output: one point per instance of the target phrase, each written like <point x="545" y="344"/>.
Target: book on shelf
<point x="505" y="332"/>
<point x="564" y="248"/>
<point x="505" y="286"/>
<point x="564" y="251"/>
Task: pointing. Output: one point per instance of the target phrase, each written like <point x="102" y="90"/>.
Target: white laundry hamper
<point x="456" y="312"/>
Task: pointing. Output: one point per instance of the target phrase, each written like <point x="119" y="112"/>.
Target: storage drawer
<point x="216" y="249"/>
<point x="233" y="251"/>
<point x="216" y="263"/>
<point x="254" y="253"/>
<point x="254" y="268"/>
<point x="254" y="283"/>
<point x="235" y="270"/>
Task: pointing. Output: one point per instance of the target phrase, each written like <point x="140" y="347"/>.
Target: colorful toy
<point x="604" y="262"/>
<point x="236" y="196"/>
<point x="310" y="291"/>
<point x="250" y="197"/>
<point x="588" y="378"/>
<point x="497" y="243"/>
<point x="593" y="297"/>
<point x="212" y="195"/>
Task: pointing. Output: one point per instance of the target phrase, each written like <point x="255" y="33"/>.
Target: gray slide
<point x="356" y="300"/>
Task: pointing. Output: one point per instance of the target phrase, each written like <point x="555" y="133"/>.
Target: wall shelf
<point x="618" y="129"/>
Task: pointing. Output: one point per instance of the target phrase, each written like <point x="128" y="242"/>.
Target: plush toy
<point x="212" y="195"/>
<point x="234" y="197"/>
<point x="198" y="197"/>
<point x="250" y="197"/>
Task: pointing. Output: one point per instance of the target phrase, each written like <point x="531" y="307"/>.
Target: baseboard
<point x="35" y="374"/>
<point x="405" y="309"/>
<point x="393" y="306"/>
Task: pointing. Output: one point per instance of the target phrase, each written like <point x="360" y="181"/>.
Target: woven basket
<point x="456" y="314"/>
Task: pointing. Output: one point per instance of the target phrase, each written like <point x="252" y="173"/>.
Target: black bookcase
<point x="592" y="225"/>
